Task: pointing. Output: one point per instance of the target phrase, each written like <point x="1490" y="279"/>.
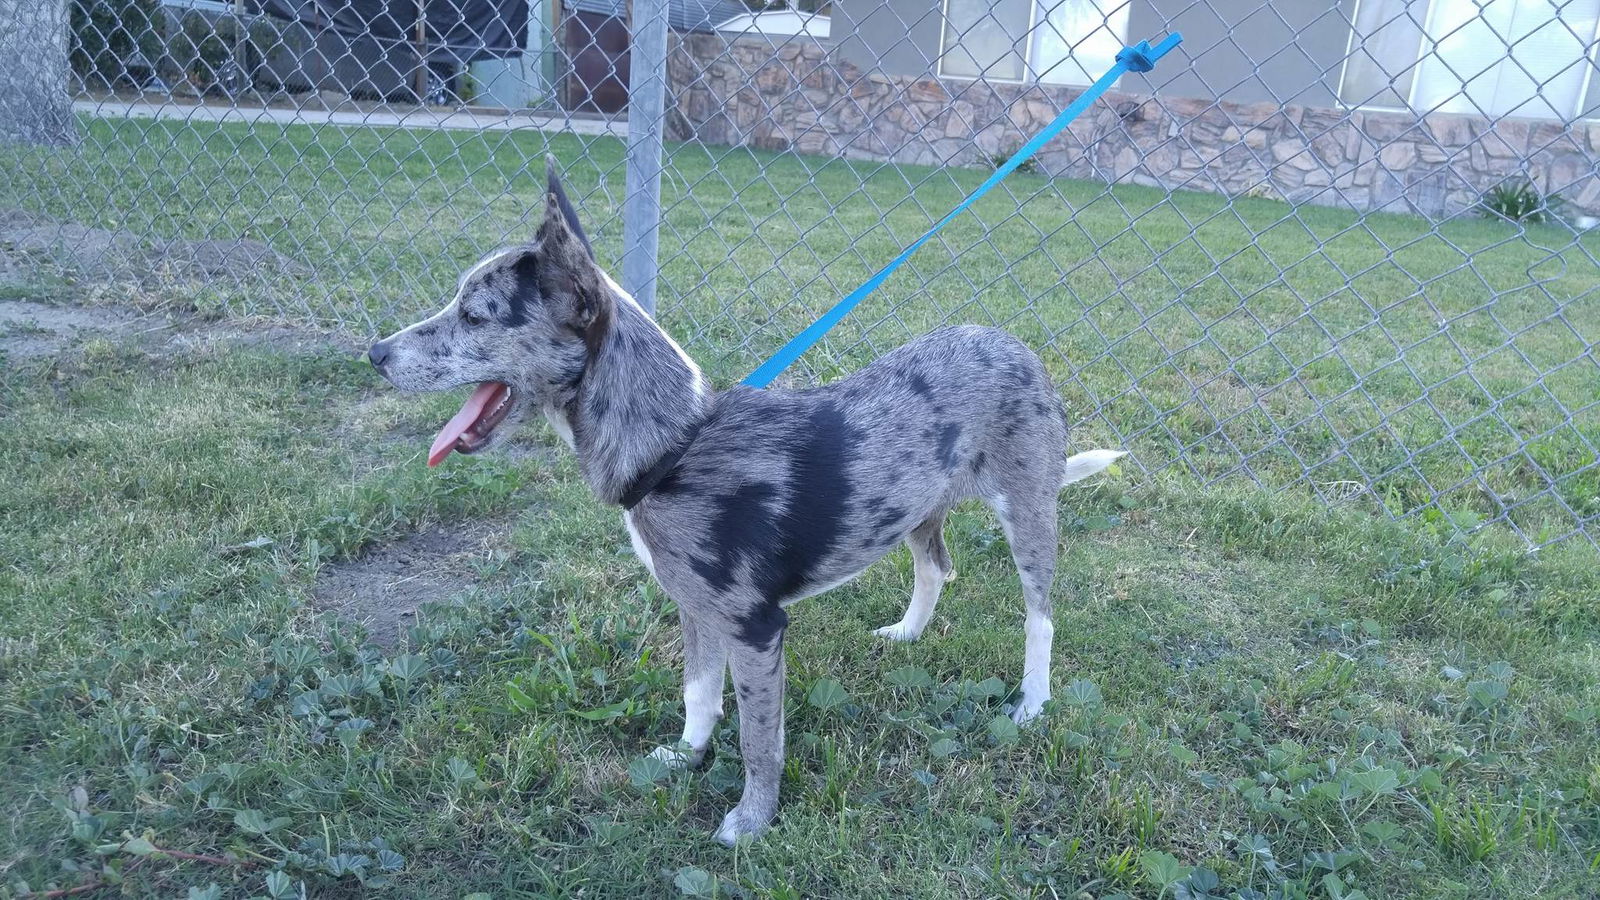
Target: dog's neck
<point x="639" y="397"/>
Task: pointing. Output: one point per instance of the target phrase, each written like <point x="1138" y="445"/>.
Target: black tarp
<point x="459" y="31"/>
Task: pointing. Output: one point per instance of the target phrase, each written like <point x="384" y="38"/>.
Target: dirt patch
<point x="384" y="588"/>
<point x="118" y="253"/>
<point x="91" y="251"/>
<point x="241" y="259"/>
<point x="40" y="329"/>
<point x="29" y="329"/>
<point x="184" y="334"/>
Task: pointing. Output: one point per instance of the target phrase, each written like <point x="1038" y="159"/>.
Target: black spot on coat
<point x="782" y="547"/>
<point x="763" y="625"/>
<point x="743" y="531"/>
<point x="523" y="291"/>
<point x="948" y="434"/>
<point x="889" y="517"/>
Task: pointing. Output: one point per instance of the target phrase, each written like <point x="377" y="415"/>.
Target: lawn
<point x="1258" y="696"/>
<point x="1449" y="368"/>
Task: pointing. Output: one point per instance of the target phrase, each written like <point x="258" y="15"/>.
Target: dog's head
<point x="522" y="326"/>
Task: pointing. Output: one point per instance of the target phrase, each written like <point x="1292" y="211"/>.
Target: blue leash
<point x="1139" y="58"/>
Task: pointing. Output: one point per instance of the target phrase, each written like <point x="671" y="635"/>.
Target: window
<point x="1508" y="57"/>
<point x="1488" y="57"/>
<point x="981" y="38"/>
<point x="1058" y="41"/>
<point x="1076" y="41"/>
<point x="1382" y="59"/>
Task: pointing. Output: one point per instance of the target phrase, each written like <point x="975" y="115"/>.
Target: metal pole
<point x="647" y="88"/>
<point x="421" y="38"/>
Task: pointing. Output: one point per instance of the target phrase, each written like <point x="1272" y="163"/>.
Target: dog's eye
<point x="471" y="318"/>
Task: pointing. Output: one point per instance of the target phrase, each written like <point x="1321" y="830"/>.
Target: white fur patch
<point x="1089" y="462"/>
<point x="640" y="549"/>
<point x="924" y="596"/>
<point x="558" y="421"/>
<point x="702" y="707"/>
<point x="701" y="386"/>
<point x="1035" y="667"/>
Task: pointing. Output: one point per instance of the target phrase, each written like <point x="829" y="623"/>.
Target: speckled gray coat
<point x="777" y="495"/>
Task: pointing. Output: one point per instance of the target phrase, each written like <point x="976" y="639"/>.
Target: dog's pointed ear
<point x="567" y="267"/>
<point x="558" y="211"/>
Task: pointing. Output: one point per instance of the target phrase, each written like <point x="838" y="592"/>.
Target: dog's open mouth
<point x="468" y="431"/>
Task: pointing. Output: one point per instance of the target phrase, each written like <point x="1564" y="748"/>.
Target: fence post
<point x="647" y="88"/>
<point x="35" y="107"/>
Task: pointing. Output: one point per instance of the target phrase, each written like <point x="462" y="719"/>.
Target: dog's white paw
<point x="1028" y="709"/>
<point x="740" y="822"/>
<point x="678" y="756"/>
<point x="899" y="631"/>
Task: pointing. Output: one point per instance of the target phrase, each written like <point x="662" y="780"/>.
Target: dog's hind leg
<point x="705" y="659"/>
<point x="931" y="563"/>
<point x="1030" y="524"/>
<point x="756" y="658"/>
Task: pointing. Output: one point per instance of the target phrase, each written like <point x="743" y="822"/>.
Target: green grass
<point x="1449" y="368"/>
<point x="1254" y="691"/>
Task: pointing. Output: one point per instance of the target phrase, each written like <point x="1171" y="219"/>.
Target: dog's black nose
<point x="378" y="355"/>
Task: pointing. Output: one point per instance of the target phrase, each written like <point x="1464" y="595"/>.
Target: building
<point x="1527" y="58"/>
<point x="1406" y="105"/>
<point x="595" y="39"/>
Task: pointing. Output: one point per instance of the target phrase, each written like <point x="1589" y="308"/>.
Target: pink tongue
<point x="461" y="421"/>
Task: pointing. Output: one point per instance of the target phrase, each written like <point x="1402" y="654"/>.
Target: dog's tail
<point x="1089" y="462"/>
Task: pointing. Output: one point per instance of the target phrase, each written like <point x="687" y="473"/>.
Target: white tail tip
<point x="1089" y="462"/>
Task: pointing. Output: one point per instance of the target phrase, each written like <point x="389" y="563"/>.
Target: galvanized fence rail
<point x="1332" y="245"/>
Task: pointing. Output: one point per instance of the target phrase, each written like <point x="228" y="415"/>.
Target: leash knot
<point x="1137" y="58"/>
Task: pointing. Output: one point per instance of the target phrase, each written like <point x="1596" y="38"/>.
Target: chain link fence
<point x="1340" y="245"/>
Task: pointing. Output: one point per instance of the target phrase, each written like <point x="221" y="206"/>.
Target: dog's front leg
<point x="757" y="662"/>
<point x="705" y="659"/>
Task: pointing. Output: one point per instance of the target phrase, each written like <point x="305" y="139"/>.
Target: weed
<point x="1029" y="166"/>
<point x="1471" y="830"/>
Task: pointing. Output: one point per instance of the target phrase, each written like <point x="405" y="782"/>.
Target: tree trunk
<point x="35" y="107"/>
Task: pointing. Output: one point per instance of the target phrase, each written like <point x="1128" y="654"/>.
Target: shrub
<point x="203" y="48"/>
<point x="106" y="34"/>
<point x="1517" y="200"/>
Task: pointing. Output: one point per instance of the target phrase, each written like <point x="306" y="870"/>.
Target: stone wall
<point x="798" y="95"/>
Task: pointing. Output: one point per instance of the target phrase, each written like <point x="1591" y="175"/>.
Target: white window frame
<point x="1029" y="71"/>
<point x="1423" y="51"/>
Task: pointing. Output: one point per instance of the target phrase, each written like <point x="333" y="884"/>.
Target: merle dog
<point x="741" y="502"/>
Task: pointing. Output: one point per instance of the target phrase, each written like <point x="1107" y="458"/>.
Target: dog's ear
<point x="558" y="209"/>
<point x="567" y="269"/>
